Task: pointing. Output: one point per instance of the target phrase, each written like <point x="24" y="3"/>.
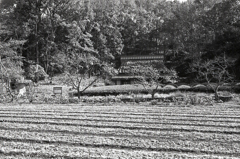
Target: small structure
<point x="57" y="90"/>
<point x="123" y="76"/>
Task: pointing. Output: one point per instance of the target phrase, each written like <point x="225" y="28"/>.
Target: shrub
<point x="73" y="100"/>
<point x="49" y="100"/>
<point x="126" y="98"/>
<point x="225" y="98"/>
<point x="98" y="85"/>
<point x="154" y="102"/>
<point x="139" y="98"/>
<point x="108" y="82"/>
<point x="195" y="99"/>
<point x="34" y="72"/>
<point x="64" y="100"/>
<point x="100" y="99"/>
<point x="169" y="87"/>
<point x="184" y="87"/>
<point x="147" y="96"/>
<point x="109" y="99"/>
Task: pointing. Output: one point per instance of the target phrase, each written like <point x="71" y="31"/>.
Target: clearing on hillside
<point x="121" y="131"/>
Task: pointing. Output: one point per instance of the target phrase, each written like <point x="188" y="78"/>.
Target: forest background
<point x="89" y="36"/>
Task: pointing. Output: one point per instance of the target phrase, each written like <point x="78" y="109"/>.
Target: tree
<point x="43" y="24"/>
<point x="222" y="21"/>
<point x="11" y="60"/>
<point x="106" y="36"/>
<point x="215" y="72"/>
<point x="83" y="70"/>
<point x="83" y="60"/>
<point x="150" y="74"/>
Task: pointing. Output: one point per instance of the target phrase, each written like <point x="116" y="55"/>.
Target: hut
<point x="123" y="76"/>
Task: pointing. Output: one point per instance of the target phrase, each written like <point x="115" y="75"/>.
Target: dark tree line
<point x="89" y="35"/>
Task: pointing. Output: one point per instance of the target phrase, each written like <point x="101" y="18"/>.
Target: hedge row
<point x="137" y="89"/>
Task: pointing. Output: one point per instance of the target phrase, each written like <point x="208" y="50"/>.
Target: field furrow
<point x="134" y="126"/>
<point x="136" y="134"/>
<point x="151" y="144"/>
<point x="126" y="118"/>
<point x="164" y="121"/>
<point x="71" y="131"/>
<point x="137" y="115"/>
<point x="61" y="151"/>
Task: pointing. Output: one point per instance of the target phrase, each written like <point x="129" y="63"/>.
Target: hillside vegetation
<point x="88" y="36"/>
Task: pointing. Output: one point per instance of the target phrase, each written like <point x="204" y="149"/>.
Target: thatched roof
<point x="125" y="77"/>
<point x="142" y="57"/>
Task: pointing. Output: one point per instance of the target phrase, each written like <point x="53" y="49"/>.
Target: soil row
<point x="182" y="128"/>
<point x="139" y="145"/>
<point x="120" y="114"/>
<point x="129" y="109"/>
<point x="121" y="123"/>
<point x="149" y="134"/>
<point x="129" y="119"/>
<point x="165" y="136"/>
<point x="61" y="151"/>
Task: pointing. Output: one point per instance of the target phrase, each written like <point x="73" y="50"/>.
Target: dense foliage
<point x="90" y="35"/>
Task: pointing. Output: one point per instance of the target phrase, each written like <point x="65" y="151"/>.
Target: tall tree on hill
<point x="44" y="22"/>
<point x="107" y="38"/>
<point x="10" y="48"/>
<point x="11" y="42"/>
<point x="224" y="23"/>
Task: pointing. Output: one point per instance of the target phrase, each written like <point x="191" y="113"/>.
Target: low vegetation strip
<point x="178" y="148"/>
<point x="183" y="127"/>
<point x="143" y="133"/>
<point x="134" y="119"/>
<point x="153" y="136"/>
<point x="123" y="122"/>
<point x="115" y="142"/>
<point x="36" y="150"/>
<point x="128" y="109"/>
<point x="136" y="88"/>
<point x="219" y="115"/>
<point x="93" y="130"/>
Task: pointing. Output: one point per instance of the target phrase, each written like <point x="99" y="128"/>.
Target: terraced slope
<point x="123" y="131"/>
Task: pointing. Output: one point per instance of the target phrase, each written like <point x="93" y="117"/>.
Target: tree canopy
<point x="66" y="34"/>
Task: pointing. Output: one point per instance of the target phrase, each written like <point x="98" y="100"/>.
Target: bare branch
<point x="89" y="85"/>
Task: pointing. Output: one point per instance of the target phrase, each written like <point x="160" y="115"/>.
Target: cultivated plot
<point x="121" y="131"/>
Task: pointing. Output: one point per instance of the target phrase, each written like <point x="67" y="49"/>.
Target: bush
<point x="154" y="102"/>
<point x="196" y="99"/>
<point x="225" y="98"/>
<point x="126" y="98"/>
<point x="109" y="82"/>
<point x="49" y="100"/>
<point x="100" y="99"/>
<point x="73" y="100"/>
<point x="183" y="87"/>
<point x="64" y="100"/>
<point x="34" y="73"/>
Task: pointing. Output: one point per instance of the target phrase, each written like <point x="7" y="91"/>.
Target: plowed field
<point x="121" y="131"/>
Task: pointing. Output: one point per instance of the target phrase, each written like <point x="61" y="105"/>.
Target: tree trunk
<point x="78" y="93"/>
<point x="37" y="61"/>
<point x="38" y="23"/>
<point x="153" y="93"/>
<point x="216" y="93"/>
